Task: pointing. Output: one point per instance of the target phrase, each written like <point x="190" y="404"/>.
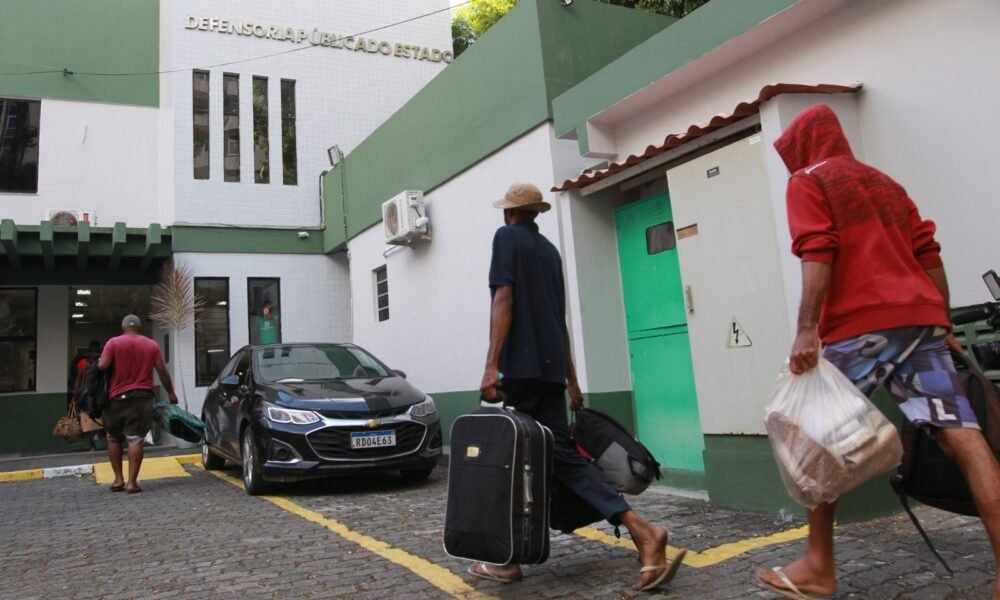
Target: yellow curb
<point x="438" y="576"/>
<point x="152" y="468"/>
<point x="188" y="459"/>
<point x="709" y="557"/>
<point x="26" y="475"/>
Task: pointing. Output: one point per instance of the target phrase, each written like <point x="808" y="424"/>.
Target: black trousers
<point x="546" y="403"/>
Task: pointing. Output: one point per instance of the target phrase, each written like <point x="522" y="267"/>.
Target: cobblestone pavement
<point x="201" y="537"/>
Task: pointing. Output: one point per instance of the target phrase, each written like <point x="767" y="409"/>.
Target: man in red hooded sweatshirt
<point x="874" y="293"/>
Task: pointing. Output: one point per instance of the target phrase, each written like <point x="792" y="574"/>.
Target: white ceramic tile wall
<point x="341" y="96"/>
<point x="315" y="302"/>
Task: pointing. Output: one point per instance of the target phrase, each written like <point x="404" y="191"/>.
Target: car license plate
<point x="372" y="439"/>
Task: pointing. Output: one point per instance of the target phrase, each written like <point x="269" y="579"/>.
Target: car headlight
<point x="424" y="409"/>
<point x="288" y="415"/>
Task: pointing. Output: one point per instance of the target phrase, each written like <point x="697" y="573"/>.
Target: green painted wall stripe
<point x="100" y="36"/>
<point x="741" y="473"/>
<point x="246" y="240"/>
<point x="494" y="93"/>
<point x="28" y="422"/>
<point x="619" y="405"/>
<point x="703" y="30"/>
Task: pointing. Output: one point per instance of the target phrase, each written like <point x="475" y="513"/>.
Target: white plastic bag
<point x="827" y="437"/>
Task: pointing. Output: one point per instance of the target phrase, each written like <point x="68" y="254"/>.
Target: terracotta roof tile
<point x="742" y="110"/>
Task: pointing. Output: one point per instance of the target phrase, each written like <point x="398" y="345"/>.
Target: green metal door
<point x="662" y="376"/>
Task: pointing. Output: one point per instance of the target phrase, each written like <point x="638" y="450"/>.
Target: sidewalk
<point x="15" y="462"/>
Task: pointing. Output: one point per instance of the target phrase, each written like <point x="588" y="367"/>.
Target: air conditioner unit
<point x="70" y="217"/>
<point x="404" y="218"/>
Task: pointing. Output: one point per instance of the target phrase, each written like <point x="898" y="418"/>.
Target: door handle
<point x="689" y="299"/>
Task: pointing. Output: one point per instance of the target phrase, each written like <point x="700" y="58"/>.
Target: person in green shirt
<point x="268" y="329"/>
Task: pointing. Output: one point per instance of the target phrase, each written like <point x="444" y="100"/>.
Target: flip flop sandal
<point x="791" y="591"/>
<point x="485" y="573"/>
<point x="117" y="488"/>
<point x="669" y="570"/>
<point x="134" y="490"/>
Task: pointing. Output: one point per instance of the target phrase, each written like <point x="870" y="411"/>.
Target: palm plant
<point x="176" y="307"/>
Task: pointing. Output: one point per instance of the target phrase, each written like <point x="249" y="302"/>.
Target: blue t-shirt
<point x="536" y="346"/>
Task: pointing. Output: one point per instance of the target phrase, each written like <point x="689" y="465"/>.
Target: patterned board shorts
<point x="916" y="365"/>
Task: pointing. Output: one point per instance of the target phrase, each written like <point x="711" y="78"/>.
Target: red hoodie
<point x="859" y="221"/>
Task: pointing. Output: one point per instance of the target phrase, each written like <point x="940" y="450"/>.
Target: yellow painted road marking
<point x="706" y="558"/>
<point x="21" y="475"/>
<point x="439" y="577"/>
<point x="152" y="468"/>
<point x="188" y="459"/>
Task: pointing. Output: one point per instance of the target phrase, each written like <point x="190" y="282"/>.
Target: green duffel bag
<point x="180" y="423"/>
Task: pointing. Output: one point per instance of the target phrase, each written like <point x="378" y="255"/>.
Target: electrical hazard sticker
<point x="738" y="337"/>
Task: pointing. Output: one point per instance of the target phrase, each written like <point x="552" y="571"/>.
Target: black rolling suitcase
<point x="498" y="488"/>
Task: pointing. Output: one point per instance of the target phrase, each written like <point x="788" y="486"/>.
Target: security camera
<point x="303" y="235"/>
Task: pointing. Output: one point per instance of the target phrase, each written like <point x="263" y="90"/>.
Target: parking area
<point x="196" y="534"/>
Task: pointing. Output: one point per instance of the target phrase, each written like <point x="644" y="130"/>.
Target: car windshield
<point x="311" y="363"/>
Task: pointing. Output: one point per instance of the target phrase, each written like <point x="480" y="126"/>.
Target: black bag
<point x="498" y="488"/>
<point x="93" y="393"/>
<point x="926" y="474"/>
<point x="621" y="458"/>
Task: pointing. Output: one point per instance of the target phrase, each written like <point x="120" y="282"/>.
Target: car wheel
<point x="210" y="461"/>
<point x="253" y="482"/>
<point x="416" y="474"/>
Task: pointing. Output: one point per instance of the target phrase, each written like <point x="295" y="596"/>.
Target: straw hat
<point x="523" y="196"/>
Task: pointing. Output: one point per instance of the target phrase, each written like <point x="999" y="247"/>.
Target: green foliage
<point x="480" y="15"/>
<point x="673" y="8"/>
<point x="473" y="19"/>
<point x="462" y="35"/>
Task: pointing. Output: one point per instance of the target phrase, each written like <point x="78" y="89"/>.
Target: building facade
<point x="140" y="134"/>
<point x="669" y="206"/>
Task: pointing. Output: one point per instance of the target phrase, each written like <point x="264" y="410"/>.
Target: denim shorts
<point x="915" y="364"/>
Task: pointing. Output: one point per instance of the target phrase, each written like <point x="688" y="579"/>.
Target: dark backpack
<point x="93" y="393"/>
<point x="621" y="458"/>
<point x="926" y="474"/>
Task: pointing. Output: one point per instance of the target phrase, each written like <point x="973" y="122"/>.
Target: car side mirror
<point x="230" y="381"/>
<point x="400" y="373"/>
<point x="993" y="282"/>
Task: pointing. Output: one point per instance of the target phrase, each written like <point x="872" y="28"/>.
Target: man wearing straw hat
<point x="529" y="345"/>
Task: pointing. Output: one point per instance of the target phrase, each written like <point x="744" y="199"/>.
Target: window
<point x="263" y="300"/>
<point x="231" y="126"/>
<point x="289" y="162"/>
<point x="18" y="319"/>
<point x="261" y="164"/>
<point x="211" y="331"/>
<point x="199" y="110"/>
<point x="381" y="293"/>
<point x="660" y="238"/>
<point x="19" y="145"/>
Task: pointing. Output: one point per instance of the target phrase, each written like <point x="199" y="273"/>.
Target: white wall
<point x="439" y="299"/>
<point x="92" y="156"/>
<point x="341" y="96"/>
<point x="315" y="303"/>
<point x="52" y="360"/>
<point x="926" y="67"/>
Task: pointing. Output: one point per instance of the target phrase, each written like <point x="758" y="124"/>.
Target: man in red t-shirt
<point x="129" y="415"/>
<point x="874" y="293"/>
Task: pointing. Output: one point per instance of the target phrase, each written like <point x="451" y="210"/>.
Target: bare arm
<point x="168" y="383"/>
<point x="805" y="349"/>
<point x="104" y="362"/>
<point x="941" y="283"/>
<point x="501" y="316"/>
<point x="572" y="386"/>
